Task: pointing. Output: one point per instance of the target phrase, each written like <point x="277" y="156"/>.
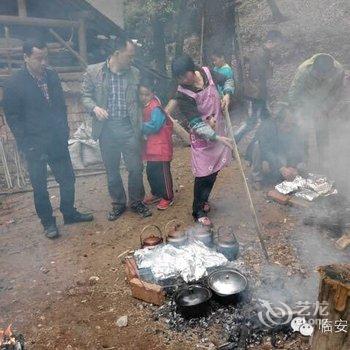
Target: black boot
<point x="77" y="217"/>
<point x="141" y="209"/>
<point x="50" y="229"/>
<point x="116" y="212"/>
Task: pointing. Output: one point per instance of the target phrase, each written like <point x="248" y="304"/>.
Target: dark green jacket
<point x="95" y="93"/>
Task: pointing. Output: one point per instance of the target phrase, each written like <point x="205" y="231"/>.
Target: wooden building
<point x="76" y="33"/>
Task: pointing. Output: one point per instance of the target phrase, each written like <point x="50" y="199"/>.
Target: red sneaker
<point x="164" y="204"/>
<point x="150" y="199"/>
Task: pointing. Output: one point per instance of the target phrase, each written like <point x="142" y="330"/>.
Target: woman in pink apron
<point x="199" y="103"/>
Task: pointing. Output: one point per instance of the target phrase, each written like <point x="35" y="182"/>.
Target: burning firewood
<point x="11" y="341"/>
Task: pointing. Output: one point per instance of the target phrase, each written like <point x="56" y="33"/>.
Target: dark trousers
<point x="117" y="140"/>
<point x="160" y="179"/>
<point x="259" y="110"/>
<point x="259" y="174"/>
<point x="202" y="188"/>
<point x="62" y="170"/>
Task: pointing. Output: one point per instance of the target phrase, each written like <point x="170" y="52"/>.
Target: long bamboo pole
<point x="246" y="187"/>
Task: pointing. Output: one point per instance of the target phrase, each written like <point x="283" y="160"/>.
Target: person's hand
<point x="225" y="140"/>
<point x="225" y="102"/>
<point x="288" y="173"/>
<point x="294" y="172"/>
<point x="212" y="122"/>
<point x="100" y="113"/>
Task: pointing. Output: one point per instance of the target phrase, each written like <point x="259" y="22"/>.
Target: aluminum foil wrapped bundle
<point x="287" y="187"/>
<point x="307" y="194"/>
<point x="190" y="261"/>
<point x="319" y="183"/>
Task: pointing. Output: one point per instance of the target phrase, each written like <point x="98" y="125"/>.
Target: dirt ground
<point x="44" y="285"/>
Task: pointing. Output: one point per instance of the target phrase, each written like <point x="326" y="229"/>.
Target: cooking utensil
<point x="193" y="300"/>
<point x="152" y="239"/>
<point x="226" y="243"/>
<point x="227" y="283"/>
<point x="175" y="233"/>
<point x="204" y="235"/>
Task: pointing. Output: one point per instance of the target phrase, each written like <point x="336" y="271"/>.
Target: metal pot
<point x="193" y="300"/>
<point x="204" y="235"/>
<point x="152" y="239"/>
<point x="226" y="243"/>
<point x="173" y="234"/>
<point x="227" y="284"/>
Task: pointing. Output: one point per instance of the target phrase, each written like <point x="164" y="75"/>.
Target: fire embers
<point x="241" y="326"/>
<point x="10" y="340"/>
<point x="330" y="213"/>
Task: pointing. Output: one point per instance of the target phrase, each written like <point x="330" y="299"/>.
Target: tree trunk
<point x="276" y="13"/>
<point x="219" y="27"/>
<point x="237" y="51"/>
<point x="159" y="52"/>
<point x="180" y="29"/>
<point x="335" y="291"/>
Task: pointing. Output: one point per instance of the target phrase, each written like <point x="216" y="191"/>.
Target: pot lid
<point x="226" y="282"/>
<point x="193" y="295"/>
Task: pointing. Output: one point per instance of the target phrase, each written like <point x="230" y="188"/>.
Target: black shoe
<point x="51" y="230"/>
<point x="77" y="217"/>
<point x="116" y="212"/>
<point x="141" y="209"/>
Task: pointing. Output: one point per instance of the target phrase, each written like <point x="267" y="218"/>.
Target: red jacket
<point x="158" y="147"/>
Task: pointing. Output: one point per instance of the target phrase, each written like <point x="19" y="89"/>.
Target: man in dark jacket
<point x="277" y="151"/>
<point x="36" y="113"/>
<point x="110" y="94"/>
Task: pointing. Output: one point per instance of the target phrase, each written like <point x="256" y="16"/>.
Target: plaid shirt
<point x="116" y="103"/>
<point x="42" y="84"/>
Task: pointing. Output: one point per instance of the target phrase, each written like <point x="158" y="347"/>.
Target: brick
<point x="148" y="292"/>
<point x="131" y="270"/>
<point x="278" y="197"/>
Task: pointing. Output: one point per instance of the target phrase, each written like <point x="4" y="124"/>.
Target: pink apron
<point x="208" y="157"/>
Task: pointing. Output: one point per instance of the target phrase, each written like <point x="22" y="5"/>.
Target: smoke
<point x="313" y="249"/>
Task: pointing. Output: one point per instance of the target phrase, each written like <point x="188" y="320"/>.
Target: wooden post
<point x="335" y="291"/>
<point x="64" y="44"/>
<point x="82" y="39"/>
<point x="22" y="9"/>
<point x="38" y="22"/>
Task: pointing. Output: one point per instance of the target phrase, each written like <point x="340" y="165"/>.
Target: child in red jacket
<point x="157" y="129"/>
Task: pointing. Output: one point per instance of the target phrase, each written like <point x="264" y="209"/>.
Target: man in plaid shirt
<point x="110" y="95"/>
